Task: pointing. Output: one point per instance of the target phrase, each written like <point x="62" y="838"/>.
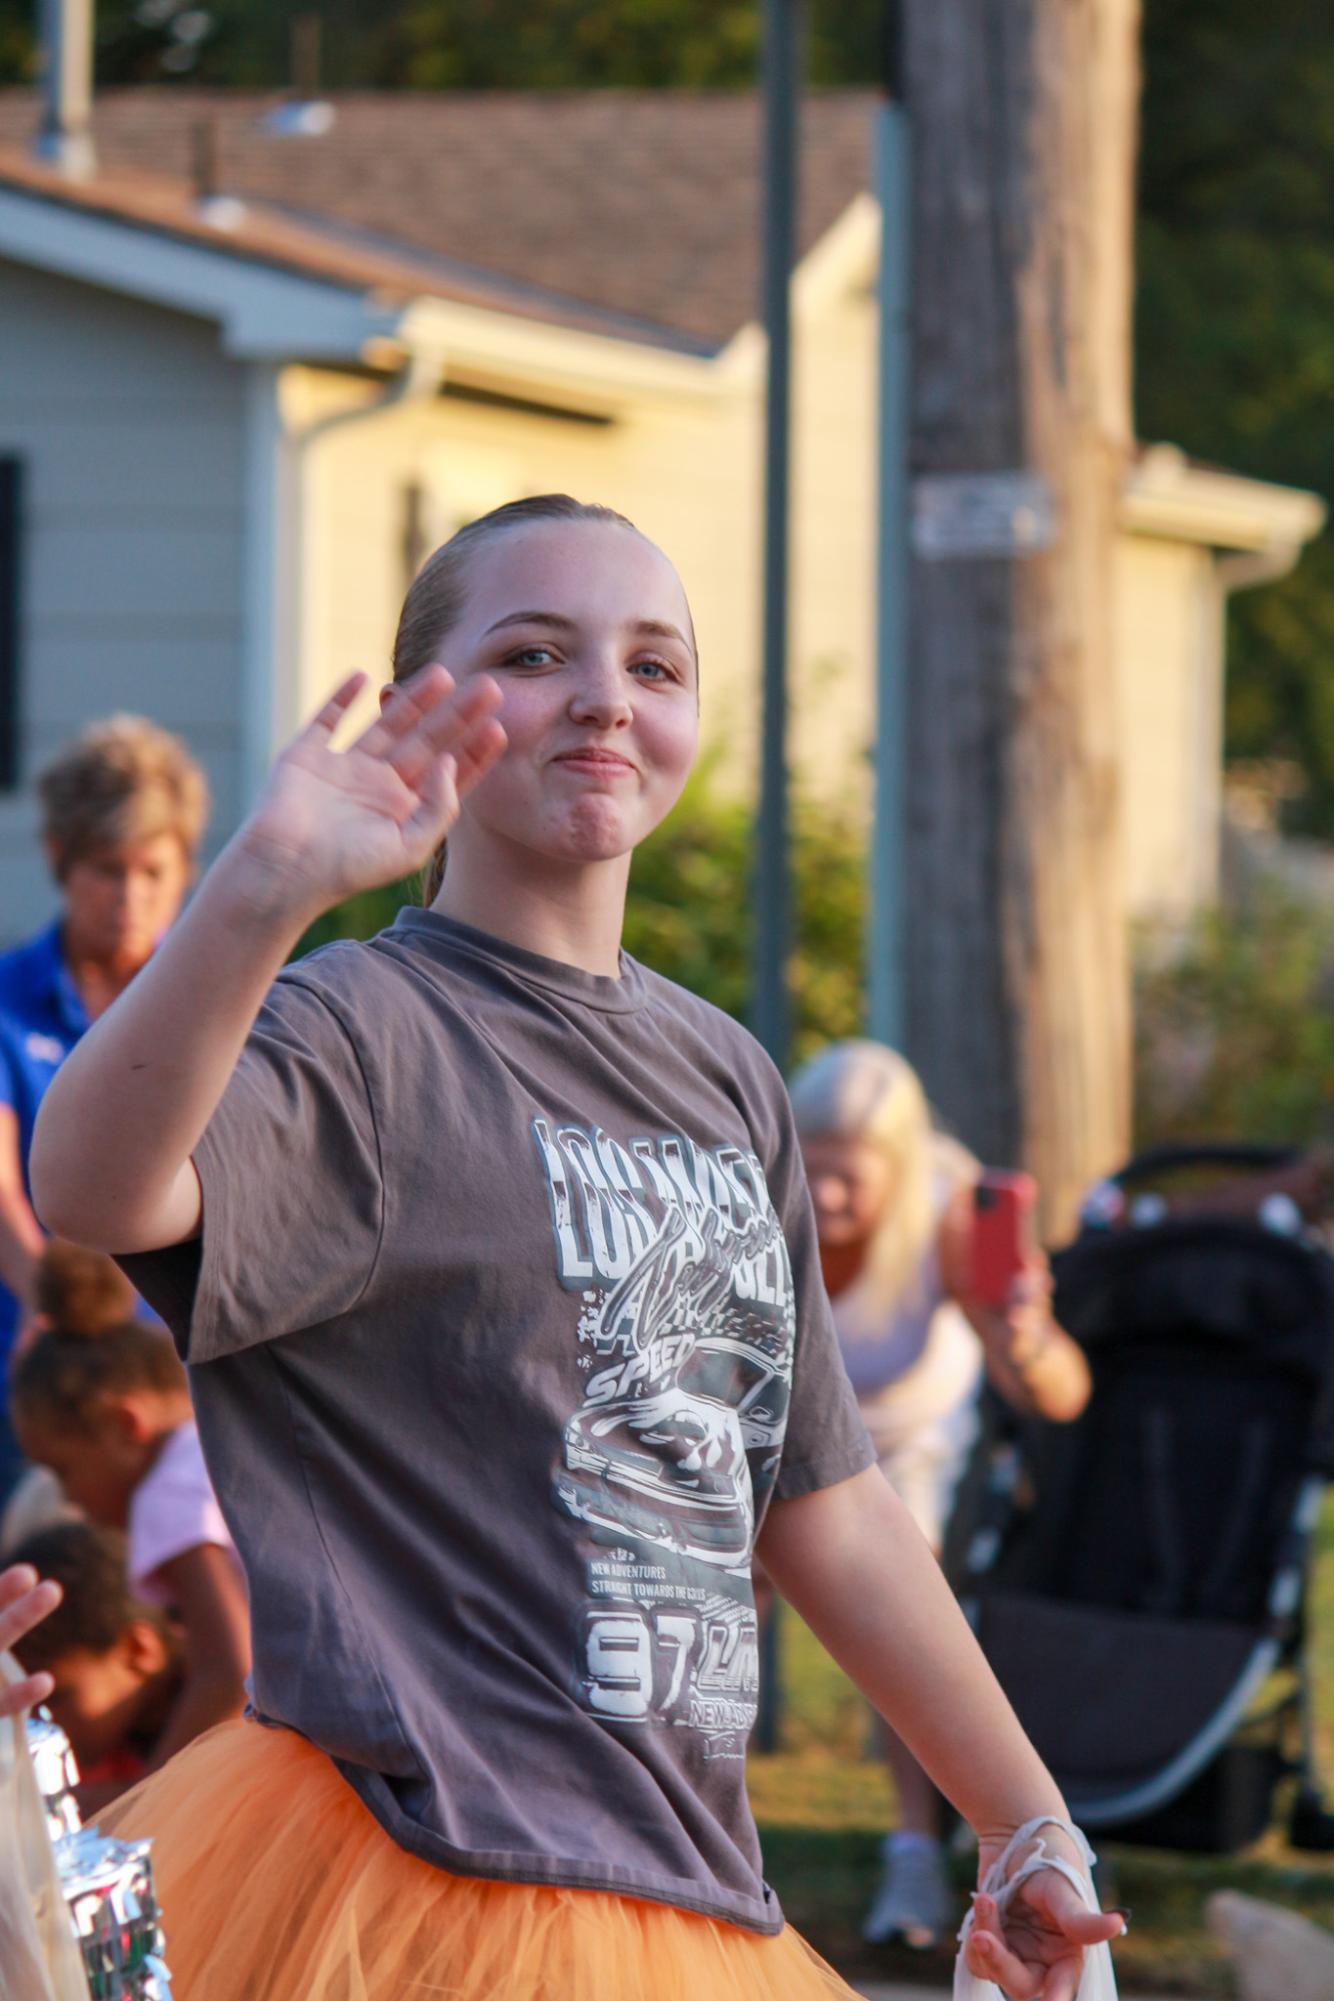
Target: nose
<point x="600" y="698"/>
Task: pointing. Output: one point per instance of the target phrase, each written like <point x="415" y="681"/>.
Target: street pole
<point x="887" y="1009"/>
<point x="770" y="1008"/>
<point x="773" y="922"/>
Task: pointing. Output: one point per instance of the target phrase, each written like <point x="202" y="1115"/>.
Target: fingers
<point x="1064" y="1911"/>
<point x="344" y="695"/>
<point x="1093" y="1927"/>
<point x="406" y="704"/>
<point x="18" y="1696"/>
<point x="477" y="754"/>
<point x="1062" y="1983"/>
<point x="464" y="729"/>
<point x="24" y="1603"/>
<point x="15" y="1582"/>
<point x="988" y="1956"/>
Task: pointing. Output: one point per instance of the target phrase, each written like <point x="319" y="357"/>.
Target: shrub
<point x="690" y="915"/>
<point x="1234" y="1033"/>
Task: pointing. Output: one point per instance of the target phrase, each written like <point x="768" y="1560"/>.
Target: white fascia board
<point x="264" y="313"/>
<point x="845" y="259"/>
<point x="1167" y="498"/>
<point x="596" y="371"/>
<point x="268" y="314"/>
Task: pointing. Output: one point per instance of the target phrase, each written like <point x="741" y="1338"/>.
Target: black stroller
<point x="1138" y="1578"/>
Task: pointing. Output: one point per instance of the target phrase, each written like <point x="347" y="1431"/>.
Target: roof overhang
<point x="267" y="313"/>
<point x="1170" y="499"/>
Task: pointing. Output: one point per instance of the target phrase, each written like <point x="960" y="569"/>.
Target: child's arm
<point x="111" y="1154"/>
<point x="209" y="1603"/>
<point x="852" y="1562"/>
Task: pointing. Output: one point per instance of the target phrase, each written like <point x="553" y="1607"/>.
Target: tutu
<point x="277" y="1884"/>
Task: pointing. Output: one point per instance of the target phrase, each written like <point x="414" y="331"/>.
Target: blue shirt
<point x="42" y="1016"/>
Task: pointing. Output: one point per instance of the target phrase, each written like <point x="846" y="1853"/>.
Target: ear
<point x="143" y="1647"/>
<point x="128" y="1418"/>
<point x="387" y="693"/>
<point x="55" y="857"/>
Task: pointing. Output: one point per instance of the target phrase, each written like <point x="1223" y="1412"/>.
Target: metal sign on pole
<point x="770" y="1004"/>
<point x="886" y="1009"/>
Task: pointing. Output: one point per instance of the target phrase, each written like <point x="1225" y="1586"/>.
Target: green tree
<point x="1234" y="1032"/>
<point x="436" y="44"/>
<point x="689" y="911"/>
<point x="1235" y="324"/>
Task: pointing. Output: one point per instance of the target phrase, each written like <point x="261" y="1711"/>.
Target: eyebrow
<point x="557" y="622"/>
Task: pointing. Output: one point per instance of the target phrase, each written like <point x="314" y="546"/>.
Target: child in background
<point x="114" y="1663"/>
<point x="100" y="1397"/>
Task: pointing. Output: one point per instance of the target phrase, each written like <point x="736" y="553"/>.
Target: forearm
<point x="21" y="1241"/>
<point x="111" y="1152"/>
<point x="208" y="1697"/>
<point x="1052" y="1382"/>
<point x="852" y="1562"/>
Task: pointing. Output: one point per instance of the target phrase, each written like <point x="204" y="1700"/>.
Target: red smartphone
<point x="1003" y="1239"/>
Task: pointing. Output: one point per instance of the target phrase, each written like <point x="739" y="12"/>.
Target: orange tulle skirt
<point x="277" y="1884"/>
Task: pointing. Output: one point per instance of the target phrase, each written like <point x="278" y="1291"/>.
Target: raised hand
<point x="24" y="1603"/>
<point x="335" y="822"/>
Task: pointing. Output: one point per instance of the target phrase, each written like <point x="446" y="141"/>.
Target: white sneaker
<point x="912" y="1899"/>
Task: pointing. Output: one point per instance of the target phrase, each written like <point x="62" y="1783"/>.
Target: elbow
<point x="47" y="1191"/>
<point x="64" y="1201"/>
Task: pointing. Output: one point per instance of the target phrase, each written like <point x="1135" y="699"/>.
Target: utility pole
<point x="887" y="973"/>
<point x="770" y="1001"/>
<point x="770" y="1012"/>
<point x="1017" y="967"/>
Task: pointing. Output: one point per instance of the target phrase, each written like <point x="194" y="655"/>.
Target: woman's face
<point x="119" y="901"/>
<point x="585" y="627"/>
<point x="851" y="1184"/>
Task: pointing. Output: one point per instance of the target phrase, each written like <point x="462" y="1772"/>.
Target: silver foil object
<point x="108" y="1889"/>
<point x="57" y="1774"/>
<point x="108" y="1884"/>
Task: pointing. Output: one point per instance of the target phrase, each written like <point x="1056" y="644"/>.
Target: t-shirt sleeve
<point x="173" y="1510"/>
<point x="293" y="1201"/>
<point x="825" y="1440"/>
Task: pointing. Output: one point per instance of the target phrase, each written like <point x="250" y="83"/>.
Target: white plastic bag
<point x="1098" y="1982"/>
<point x="39" y="1958"/>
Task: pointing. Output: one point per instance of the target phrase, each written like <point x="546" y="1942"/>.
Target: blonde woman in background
<point x="893" y="1211"/>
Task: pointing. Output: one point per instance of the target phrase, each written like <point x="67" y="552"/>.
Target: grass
<point x="823" y="1803"/>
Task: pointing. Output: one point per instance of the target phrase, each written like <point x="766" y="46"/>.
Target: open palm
<point x="350" y="820"/>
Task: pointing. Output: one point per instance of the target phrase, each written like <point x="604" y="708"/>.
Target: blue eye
<point x="529" y="656"/>
<point x="656" y="670"/>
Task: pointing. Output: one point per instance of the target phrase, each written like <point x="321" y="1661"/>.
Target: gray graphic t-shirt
<point x="504" y="1328"/>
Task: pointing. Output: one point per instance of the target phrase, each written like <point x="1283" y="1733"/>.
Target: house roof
<point x="634" y="212"/>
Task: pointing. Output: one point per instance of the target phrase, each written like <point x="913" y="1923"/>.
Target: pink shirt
<point x="173" y="1509"/>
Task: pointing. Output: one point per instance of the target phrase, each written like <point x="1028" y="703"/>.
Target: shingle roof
<point x="643" y="205"/>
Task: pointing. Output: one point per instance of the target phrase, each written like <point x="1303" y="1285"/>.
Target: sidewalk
<point x="890" y="1990"/>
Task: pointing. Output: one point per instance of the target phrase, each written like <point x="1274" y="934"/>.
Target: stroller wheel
<point x="1311" y="1824"/>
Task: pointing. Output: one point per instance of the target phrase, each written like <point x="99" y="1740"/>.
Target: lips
<point x="595" y="760"/>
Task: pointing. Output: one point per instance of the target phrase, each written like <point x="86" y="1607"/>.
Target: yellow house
<point x="264" y="356"/>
